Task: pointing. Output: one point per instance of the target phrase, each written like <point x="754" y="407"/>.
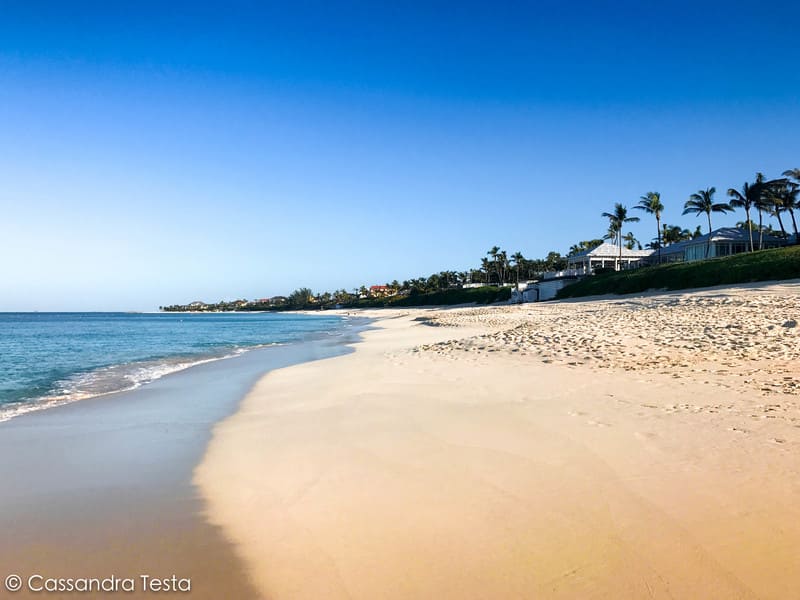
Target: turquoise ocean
<point x="48" y="359"/>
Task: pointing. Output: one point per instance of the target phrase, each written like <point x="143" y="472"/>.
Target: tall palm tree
<point x="763" y="204"/>
<point x="702" y="202"/>
<point x="518" y="260"/>
<point x="616" y="220"/>
<point x="487" y="266"/>
<point x="774" y="205"/>
<point x="494" y="253"/>
<point x="792" y="203"/>
<point x="503" y="259"/>
<point x="794" y="186"/>
<point x="748" y="198"/>
<point x="783" y="197"/>
<point x="651" y="204"/>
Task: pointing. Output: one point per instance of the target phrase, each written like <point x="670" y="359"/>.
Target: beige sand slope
<point x="418" y="469"/>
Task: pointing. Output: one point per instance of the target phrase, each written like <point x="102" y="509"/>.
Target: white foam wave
<point x="111" y="380"/>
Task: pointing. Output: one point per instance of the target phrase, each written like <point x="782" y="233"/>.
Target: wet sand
<point x="104" y="486"/>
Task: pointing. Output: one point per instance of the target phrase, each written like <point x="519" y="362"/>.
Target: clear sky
<point x="160" y="152"/>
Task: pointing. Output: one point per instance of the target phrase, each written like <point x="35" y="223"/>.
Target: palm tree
<point x="486" y="266"/>
<point x="630" y="241"/>
<point x="774" y="205"/>
<point x="747" y="199"/>
<point x="702" y="202"/>
<point x="651" y="204"/>
<point x="795" y="203"/>
<point x="494" y="252"/>
<point x="503" y="259"/>
<point x="612" y="233"/>
<point x="793" y="174"/>
<point x="763" y="204"/>
<point x="671" y="234"/>
<point x="783" y="197"/>
<point x="518" y="260"/>
<point x="616" y="221"/>
<point x="792" y="202"/>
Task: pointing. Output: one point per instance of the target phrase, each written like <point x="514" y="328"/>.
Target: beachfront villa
<point x="381" y="291"/>
<point x="606" y="256"/>
<point x="724" y="242"/>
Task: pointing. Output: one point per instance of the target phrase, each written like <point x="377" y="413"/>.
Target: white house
<point x="607" y="256"/>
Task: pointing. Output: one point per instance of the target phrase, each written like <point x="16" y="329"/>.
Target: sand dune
<point x="604" y="449"/>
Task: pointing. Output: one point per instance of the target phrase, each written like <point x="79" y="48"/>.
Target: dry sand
<point x="637" y="448"/>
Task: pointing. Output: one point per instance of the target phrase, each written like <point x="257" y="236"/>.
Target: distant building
<point x="381" y="291"/>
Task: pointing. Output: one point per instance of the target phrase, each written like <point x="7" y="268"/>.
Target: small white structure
<point x="540" y="290"/>
<point x="606" y="255"/>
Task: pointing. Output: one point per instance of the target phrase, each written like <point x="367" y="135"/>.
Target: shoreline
<point x="443" y="462"/>
<point x="128" y="373"/>
<point x="180" y="363"/>
<point x="103" y="486"/>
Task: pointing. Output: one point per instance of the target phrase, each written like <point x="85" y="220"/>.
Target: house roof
<point x="723" y="234"/>
<point x="675" y="247"/>
<point x="606" y="250"/>
<point x="731" y="234"/>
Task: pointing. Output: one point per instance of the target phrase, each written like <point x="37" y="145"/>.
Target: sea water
<point x="48" y="359"/>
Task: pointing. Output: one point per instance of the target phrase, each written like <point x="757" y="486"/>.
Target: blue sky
<point x="152" y="154"/>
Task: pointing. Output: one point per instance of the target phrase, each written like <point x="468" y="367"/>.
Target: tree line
<point x="772" y="197"/>
<point x="497" y="269"/>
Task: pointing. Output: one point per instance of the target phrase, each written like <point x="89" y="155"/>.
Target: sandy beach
<point x="643" y="447"/>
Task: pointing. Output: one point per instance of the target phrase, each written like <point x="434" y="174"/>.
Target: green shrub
<point x="481" y="295"/>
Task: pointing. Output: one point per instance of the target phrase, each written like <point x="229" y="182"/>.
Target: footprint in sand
<point x="598" y="424"/>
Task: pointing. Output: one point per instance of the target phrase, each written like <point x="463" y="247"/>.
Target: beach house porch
<point x="606" y="256"/>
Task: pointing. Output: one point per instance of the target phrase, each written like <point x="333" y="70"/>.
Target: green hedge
<point x="481" y="295"/>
